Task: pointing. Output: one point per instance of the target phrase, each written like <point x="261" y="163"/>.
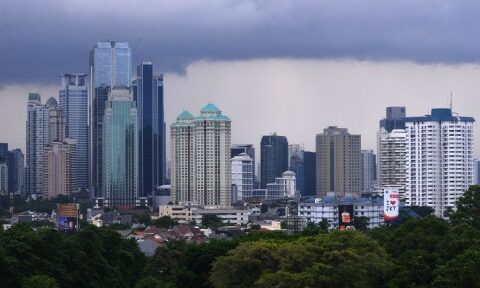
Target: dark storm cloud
<point x="41" y="39"/>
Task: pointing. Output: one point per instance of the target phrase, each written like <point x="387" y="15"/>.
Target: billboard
<point x="345" y="217"/>
<point x="390" y="204"/>
<point x="67" y="217"/>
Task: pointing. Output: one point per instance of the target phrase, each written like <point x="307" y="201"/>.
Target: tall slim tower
<point x="58" y="168"/>
<point x="148" y="95"/>
<point x="110" y="66"/>
<point x="120" y="142"/>
<point x="74" y="102"/>
<point x="38" y="135"/>
<point x="273" y="158"/>
<point x="439" y="159"/>
<point x="200" y="151"/>
<point x="368" y="170"/>
<point x="16" y="169"/>
<point x="56" y="117"/>
<point x="391" y="158"/>
<point x="338" y="162"/>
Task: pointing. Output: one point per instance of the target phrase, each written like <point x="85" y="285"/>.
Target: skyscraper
<point x="58" y="168"/>
<point x="56" y="117"/>
<point x="120" y="142"/>
<point x="38" y="135"/>
<point x="242" y="176"/>
<point x="200" y="153"/>
<point x="148" y="95"/>
<point x="391" y="158"/>
<point x="73" y="98"/>
<point x="273" y="158"/>
<point x="3" y="152"/>
<point x="395" y="119"/>
<point x="310" y="168"/>
<point x="238" y="149"/>
<point x="368" y="170"/>
<point x="296" y="164"/>
<point x="338" y="162"/>
<point x="110" y="66"/>
<point x="3" y="178"/>
<point x="439" y="159"/>
<point x="16" y="168"/>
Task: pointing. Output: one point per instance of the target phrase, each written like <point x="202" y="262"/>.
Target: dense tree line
<point x="415" y="252"/>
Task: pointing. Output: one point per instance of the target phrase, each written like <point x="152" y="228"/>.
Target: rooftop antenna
<point x="451" y="100"/>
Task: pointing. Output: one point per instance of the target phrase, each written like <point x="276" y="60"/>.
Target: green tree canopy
<point x="211" y="221"/>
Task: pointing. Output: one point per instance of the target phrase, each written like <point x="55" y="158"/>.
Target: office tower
<point x="58" y="169"/>
<point x="200" y="155"/>
<point x="273" y="158"/>
<point x="338" y="162"/>
<point x="3" y="152"/>
<point x="439" y="159"/>
<point x="477" y="170"/>
<point x="284" y="186"/>
<point x="296" y="163"/>
<point x="395" y="119"/>
<point x="310" y="169"/>
<point x="110" y="66"/>
<point x="16" y="168"/>
<point x="391" y="158"/>
<point x="248" y="149"/>
<point x="3" y="178"/>
<point x="368" y="170"/>
<point x="120" y="174"/>
<point x="73" y="98"/>
<point x="148" y="95"/>
<point x="56" y="117"/>
<point x="242" y="176"/>
<point x="38" y="135"/>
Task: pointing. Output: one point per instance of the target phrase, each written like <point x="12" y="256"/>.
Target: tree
<point x="360" y="223"/>
<point x="313" y="229"/>
<point x="468" y="208"/>
<point x="422" y="211"/>
<point x="462" y="271"/>
<point x="211" y="221"/>
<point x="40" y="281"/>
<point x="144" y="218"/>
<point x="151" y="282"/>
<point x="164" y="222"/>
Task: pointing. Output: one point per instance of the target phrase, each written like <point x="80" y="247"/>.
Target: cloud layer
<point x="42" y="39"/>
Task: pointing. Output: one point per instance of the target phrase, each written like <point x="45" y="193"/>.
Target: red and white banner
<point x="390" y="204"/>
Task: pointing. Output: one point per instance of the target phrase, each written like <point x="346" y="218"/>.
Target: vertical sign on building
<point x="390" y="204"/>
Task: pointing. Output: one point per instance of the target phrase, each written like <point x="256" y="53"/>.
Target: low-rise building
<point x="179" y="213"/>
<point x="228" y="215"/>
<point x="331" y="208"/>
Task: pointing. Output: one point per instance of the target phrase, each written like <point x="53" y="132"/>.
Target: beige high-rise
<point x="58" y="168"/>
<point x="338" y="162"/>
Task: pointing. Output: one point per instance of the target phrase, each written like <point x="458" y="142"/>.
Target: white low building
<point x="228" y="215"/>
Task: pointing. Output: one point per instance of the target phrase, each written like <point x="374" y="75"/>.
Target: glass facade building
<point x="16" y="166"/>
<point x="120" y="150"/>
<point x="110" y="66"/>
<point x="74" y="102"/>
<point x="147" y="91"/>
<point x="273" y="158"/>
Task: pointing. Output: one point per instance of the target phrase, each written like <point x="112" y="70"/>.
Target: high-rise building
<point x="368" y="170"/>
<point x="242" y="176"/>
<point x="338" y="162"/>
<point x="148" y="95"/>
<point x="73" y="98"/>
<point x="16" y="168"/>
<point x="38" y="135"/>
<point x="120" y="158"/>
<point x="439" y="159"/>
<point x="3" y="178"/>
<point x="477" y="170"/>
<point x="58" y="169"/>
<point x="273" y="158"/>
<point x="248" y="149"/>
<point x="395" y="119"/>
<point x="110" y="66"/>
<point x="310" y="169"/>
<point x="391" y="158"/>
<point x="56" y="117"/>
<point x="3" y="152"/>
<point x="200" y="155"/>
<point x="296" y="164"/>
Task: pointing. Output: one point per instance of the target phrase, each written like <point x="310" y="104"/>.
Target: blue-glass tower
<point x="395" y="119"/>
<point x="148" y="94"/>
<point x="273" y="158"/>
<point x="110" y="66"/>
<point x="74" y="101"/>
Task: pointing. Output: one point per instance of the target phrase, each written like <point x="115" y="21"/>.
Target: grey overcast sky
<point x="283" y="65"/>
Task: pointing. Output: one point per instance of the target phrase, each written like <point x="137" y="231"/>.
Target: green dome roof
<point x="210" y="108"/>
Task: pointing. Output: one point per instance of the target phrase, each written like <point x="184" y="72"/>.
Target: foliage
<point x="164" y="222"/>
<point x="422" y="211"/>
<point x="40" y="281"/>
<point x="468" y="208"/>
<point x="142" y="218"/>
<point x="360" y="223"/>
<point x="313" y="229"/>
<point x="211" y="221"/>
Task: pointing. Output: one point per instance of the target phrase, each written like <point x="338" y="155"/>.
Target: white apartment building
<point x="391" y="158"/>
<point x="285" y="186"/>
<point x="242" y="176"/>
<point x="185" y="213"/>
<point x="200" y="153"/>
<point x="439" y="159"/>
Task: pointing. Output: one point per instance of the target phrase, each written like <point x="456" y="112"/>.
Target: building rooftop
<point x="211" y="108"/>
<point x="439" y="115"/>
